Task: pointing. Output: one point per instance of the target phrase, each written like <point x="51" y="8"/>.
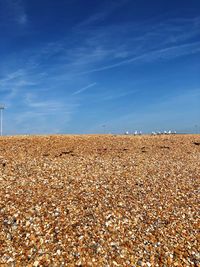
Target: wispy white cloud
<point x="165" y="54"/>
<point x="40" y="114"/>
<point x="116" y="95"/>
<point x="11" y="76"/>
<point x="37" y="122"/>
<point x="35" y="102"/>
<point x="31" y="102"/>
<point x="101" y="15"/>
<point x="15" y="13"/>
<point x="22" y="19"/>
<point x="84" y="88"/>
<point x="103" y="49"/>
<point x="13" y="85"/>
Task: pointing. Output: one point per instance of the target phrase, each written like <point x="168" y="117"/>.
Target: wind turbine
<point x="2" y="107"/>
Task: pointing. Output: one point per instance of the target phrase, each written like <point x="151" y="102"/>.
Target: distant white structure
<point x="165" y="132"/>
<point x="137" y="132"/>
<point x="2" y="107"/>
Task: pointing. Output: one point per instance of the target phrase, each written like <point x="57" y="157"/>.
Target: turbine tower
<point x="2" y="107"/>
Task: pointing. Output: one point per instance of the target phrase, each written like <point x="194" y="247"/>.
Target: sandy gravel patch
<point x="99" y="200"/>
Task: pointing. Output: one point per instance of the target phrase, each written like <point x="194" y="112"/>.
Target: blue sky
<point x="71" y="66"/>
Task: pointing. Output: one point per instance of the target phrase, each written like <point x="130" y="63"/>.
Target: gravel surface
<point x="99" y="200"/>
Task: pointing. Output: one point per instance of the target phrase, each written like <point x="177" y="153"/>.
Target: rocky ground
<point x="99" y="200"/>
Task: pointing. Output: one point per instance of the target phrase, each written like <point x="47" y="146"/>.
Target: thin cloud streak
<point x="84" y="89"/>
<point x="99" y="16"/>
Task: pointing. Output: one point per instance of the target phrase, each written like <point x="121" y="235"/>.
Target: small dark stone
<point x="196" y="143"/>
